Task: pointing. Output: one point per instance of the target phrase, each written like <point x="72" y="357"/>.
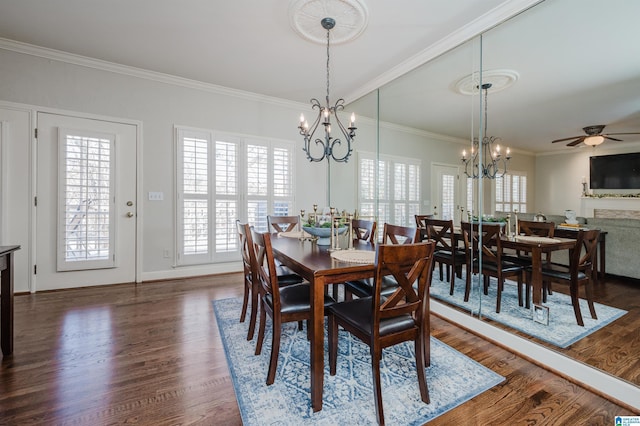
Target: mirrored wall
<point x="429" y="116"/>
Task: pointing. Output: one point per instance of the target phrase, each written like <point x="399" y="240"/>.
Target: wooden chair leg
<point x="452" y="281"/>
<point x="333" y="344"/>
<point x="377" y="385"/>
<point x="245" y="303"/>
<point x="420" y="367"/>
<point x="255" y="301"/>
<point x="576" y="304"/>
<point x="500" y="285"/>
<point x="440" y="269"/>
<point x="467" y="285"/>
<point x="275" y="350"/>
<point x="589" y="290"/>
<point x="263" y="320"/>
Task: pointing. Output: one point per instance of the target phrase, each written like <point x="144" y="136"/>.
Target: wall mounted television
<point x="619" y="171"/>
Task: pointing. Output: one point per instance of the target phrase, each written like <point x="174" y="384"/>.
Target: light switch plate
<point x="156" y="196"/>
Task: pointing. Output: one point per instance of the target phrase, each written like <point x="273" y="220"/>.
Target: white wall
<point x="159" y="105"/>
<point x="558" y="184"/>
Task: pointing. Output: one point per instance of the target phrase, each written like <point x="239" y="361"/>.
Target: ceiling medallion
<point x="351" y="18"/>
<point x="498" y="80"/>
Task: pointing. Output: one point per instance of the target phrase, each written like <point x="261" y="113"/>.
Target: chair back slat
<point x="283" y="223"/>
<point x="421" y="220"/>
<point x="410" y="265"/>
<point x="589" y="241"/>
<point x="364" y="230"/>
<point x="246" y="247"/>
<point x="491" y="244"/>
<point x="440" y="231"/>
<point x="395" y="234"/>
<point x="540" y="229"/>
<point x="266" y="267"/>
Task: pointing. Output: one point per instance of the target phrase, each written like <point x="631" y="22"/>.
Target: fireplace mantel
<point x="630" y="206"/>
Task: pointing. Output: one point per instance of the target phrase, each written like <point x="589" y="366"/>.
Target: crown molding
<point x="83" y="61"/>
<point x="497" y="15"/>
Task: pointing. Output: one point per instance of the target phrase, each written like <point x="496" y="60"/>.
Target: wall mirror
<point x="415" y="114"/>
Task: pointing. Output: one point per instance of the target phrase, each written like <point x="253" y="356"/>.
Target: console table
<point x="6" y="304"/>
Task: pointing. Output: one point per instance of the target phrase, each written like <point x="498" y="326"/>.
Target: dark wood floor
<point x="150" y="354"/>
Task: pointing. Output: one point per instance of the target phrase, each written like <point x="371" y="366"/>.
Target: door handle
<point x="129" y="214"/>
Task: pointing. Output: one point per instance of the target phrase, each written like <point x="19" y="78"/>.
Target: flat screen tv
<point x="620" y="171"/>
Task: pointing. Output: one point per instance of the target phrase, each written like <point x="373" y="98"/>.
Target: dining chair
<point x="540" y="229"/>
<point x="492" y="264"/>
<point x="447" y="251"/>
<point x="380" y="321"/>
<point x="282" y="304"/>
<point x="250" y="285"/>
<point x="392" y="234"/>
<point x="422" y="225"/>
<point x="580" y="272"/>
<point x="283" y="223"/>
<point x="364" y="230"/>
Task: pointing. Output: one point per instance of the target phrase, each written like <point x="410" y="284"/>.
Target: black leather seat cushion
<point x="561" y="272"/>
<point x="507" y="267"/>
<point x="358" y="314"/>
<point x="447" y="254"/>
<point x="364" y="288"/>
<point x="286" y="276"/>
<point x="296" y="298"/>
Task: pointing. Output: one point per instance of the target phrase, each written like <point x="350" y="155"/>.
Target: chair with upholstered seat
<point x="447" y="252"/>
<point x="282" y="304"/>
<point x="492" y="264"/>
<point x="392" y="234"/>
<point x="580" y="272"/>
<point x="381" y="321"/>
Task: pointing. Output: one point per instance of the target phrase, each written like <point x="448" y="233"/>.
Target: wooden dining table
<point x="315" y="264"/>
<point x="537" y="246"/>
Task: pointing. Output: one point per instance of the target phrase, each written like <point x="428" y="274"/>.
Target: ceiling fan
<point x="593" y="136"/>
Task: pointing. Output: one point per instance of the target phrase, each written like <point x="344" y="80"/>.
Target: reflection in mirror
<point x="551" y="49"/>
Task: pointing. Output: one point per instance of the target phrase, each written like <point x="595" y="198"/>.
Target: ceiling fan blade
<point x="566" y="139"/>
<point x="611" y="139"/>
<point x="621" y="134"/>
<point x="577" y="141"/>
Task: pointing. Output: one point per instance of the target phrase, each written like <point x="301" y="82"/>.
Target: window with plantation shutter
<point x="398" y="188"/>
<point x="222" y="178"/>
<point x="511" y="192"/>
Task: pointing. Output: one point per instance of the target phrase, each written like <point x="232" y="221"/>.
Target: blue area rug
<point x="562" y="330"/>
<point x="453" y="378"/>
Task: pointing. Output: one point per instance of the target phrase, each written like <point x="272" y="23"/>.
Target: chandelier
<point x="330" y="146"/>
<point x="489" y="149"/>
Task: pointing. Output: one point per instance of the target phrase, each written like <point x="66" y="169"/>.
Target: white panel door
<point x="16" y="136"/>
<point x="447" y="192"/>
<point x="86" y="202"/>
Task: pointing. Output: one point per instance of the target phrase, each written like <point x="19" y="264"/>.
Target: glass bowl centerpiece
<point x="319" y="226"/>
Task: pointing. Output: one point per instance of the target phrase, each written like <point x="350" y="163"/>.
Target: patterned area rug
<point x="452" y="378"/>
<point x="562" y="329"/>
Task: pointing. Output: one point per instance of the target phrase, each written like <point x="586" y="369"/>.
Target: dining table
<point x="314" y="263"/>
<point x="537" y="245"/>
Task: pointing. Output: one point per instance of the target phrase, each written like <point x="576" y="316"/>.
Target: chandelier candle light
<point x="487" y="166"/>
<point x="325" y="113"/>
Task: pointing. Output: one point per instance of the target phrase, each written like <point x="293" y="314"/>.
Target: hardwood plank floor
<point x="150" y="354"/>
